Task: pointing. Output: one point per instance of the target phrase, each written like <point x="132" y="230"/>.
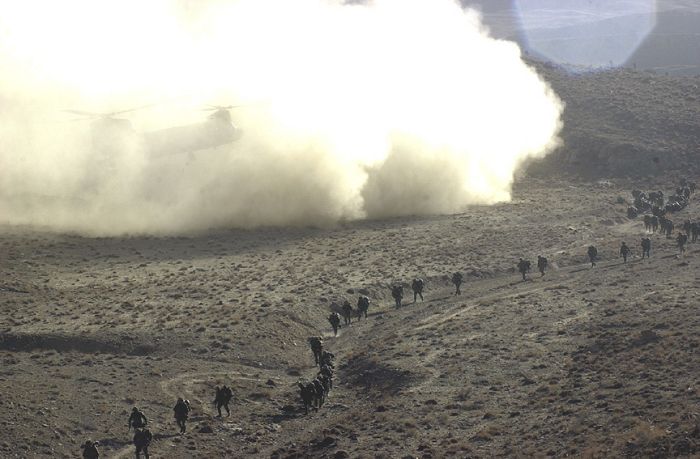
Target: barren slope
<point x="600" y="361"/>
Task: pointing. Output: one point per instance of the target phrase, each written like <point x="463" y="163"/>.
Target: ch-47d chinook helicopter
<point x="111" y="134"/>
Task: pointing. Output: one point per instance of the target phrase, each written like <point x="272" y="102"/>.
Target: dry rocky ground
<point x="624" y="123"/>
<point x="599" y="362"/>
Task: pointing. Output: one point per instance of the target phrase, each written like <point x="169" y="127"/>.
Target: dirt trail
<point x="486" y="300"/>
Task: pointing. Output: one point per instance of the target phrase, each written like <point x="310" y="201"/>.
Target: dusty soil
<point x="624" y="123"/>
<point x="599" y="362"/>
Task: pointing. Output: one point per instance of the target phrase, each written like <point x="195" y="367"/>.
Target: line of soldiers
<point x="314" y="393"/>
<point x="592" y="252"/>
<point x="142" y="435"/>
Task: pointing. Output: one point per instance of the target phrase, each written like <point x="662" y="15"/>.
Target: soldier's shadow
<point x="288" y="414"/>
<point x="160" y="436"/>
<point x="113" y="442"/>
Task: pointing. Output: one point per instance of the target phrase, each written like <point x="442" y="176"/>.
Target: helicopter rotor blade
<point x="84" y="113"/>
<point x="131" y="109"/>
<point x="114" y="113"/>
<point x="221" y="107"/>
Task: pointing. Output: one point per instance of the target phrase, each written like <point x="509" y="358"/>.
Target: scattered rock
<point x="646" y="337"/>
<point x="206" y="429"/>
<point x="327" y="442"/>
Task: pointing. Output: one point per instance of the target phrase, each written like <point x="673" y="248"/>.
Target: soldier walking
<point x="523" y="267"/>
<point x="646" y="247"/>
<point x="624" y="251"/>
<point x="457" y="280"/>
<point x="142" y="440"/>
<point x="397" y="294"/>
<point x="222" y="398"/>
<point x="592" y="254"/>
<point x="541" y="264"/>
<point x="334" y="319"/>
<point x="182" y="412"/>
<point x="417" y="287"/>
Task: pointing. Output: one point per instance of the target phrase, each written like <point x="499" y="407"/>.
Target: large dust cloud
<point x="346" y="111"/>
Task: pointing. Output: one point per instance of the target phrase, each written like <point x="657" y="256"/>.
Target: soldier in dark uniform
<point x="624" y="251"/>
<point x="523" y="267"/>
<point x="592" y="254"/>
<point x="417" y="287"/>
<point x="316" y="343"/>
<point x="334" y="319"/>
<point x="646" y="246"/>
<point x="694" y="231"/>
<point x="457" y="280"/>
<point x="137" y="419"/>
<point x="182" y="412"/>
<point x="327" y="359"/>
<point x="397" y="294"/>
<point x="142" y="439"/>
<point x="686" y="227"/>
<point x="681" y="240"/>
<point x="541" y="264"/>
<point x="320" y="392"/>
<point x="347" y="312"/>
<point x="327" y="372"/>
<point x="222" y="398"/>
<point x="362" y="306"/>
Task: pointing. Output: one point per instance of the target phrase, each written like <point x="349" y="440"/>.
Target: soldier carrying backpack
<point x="182" y="412"/>
<point x="457" y="280"/>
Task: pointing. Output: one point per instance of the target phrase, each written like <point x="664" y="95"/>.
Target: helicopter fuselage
<point x="111" y="135"/>
<point x="190" y="138"/>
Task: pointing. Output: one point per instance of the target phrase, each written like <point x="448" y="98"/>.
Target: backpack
<point x="90" y="451"/>
<point x="182" y="408"/>
<point x="137" y="420"/>
<point x="363" y="302"/>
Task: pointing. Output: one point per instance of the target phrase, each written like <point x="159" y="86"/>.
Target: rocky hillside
<point x="624" y="122"/>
